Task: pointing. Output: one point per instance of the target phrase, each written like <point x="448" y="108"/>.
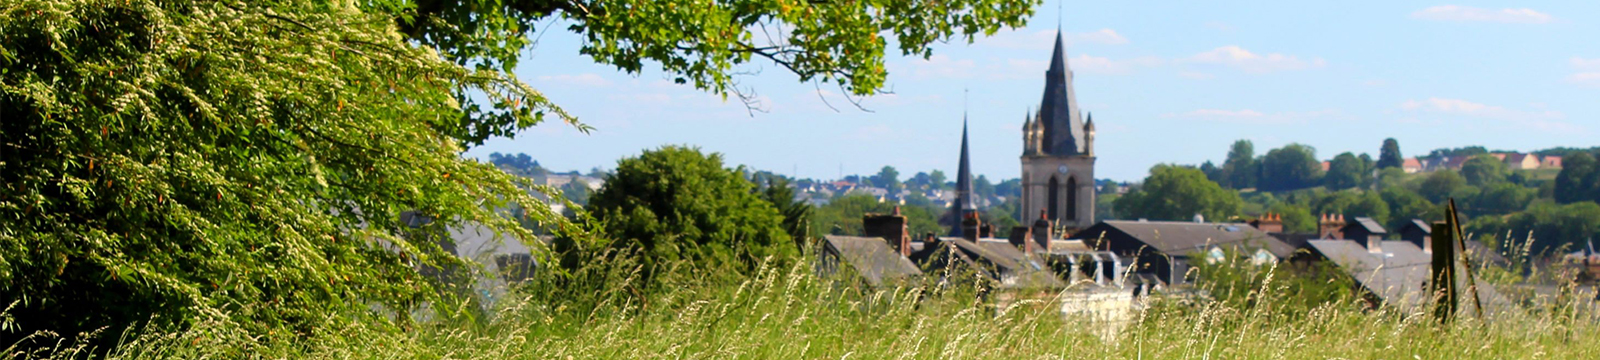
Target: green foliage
<point x="1556" y="227"/>
<point x="1501" y="198"/>
<point x="1290" y="167"/>
<point x="1286" y="289"/>
<point x="676" y="204"/>
<point x="1405" y="205"/>
<point x="937" y="179"/>
<point x="1579" y="179"/>
<point x="520" y="164"/>
<point x="1440" y="185"/>
<point x="242" y="163"/>
<point x="1296" y="218"/>
<point x="1241" y="169"/>
<point x="1353" y="203"/>
<point x="1004" y="215"/>
<point x="1483" y="170"/>
<point x="842" y="216"/>
<point x="1344" y="172"/>
<point x="796" y="214"/>
<point x="888" y="179"/>
<point x="1389" y="156"/>
<point x="1178" y="193"/>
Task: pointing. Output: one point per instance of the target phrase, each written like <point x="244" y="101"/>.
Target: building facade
<point x="1058" y="152"/>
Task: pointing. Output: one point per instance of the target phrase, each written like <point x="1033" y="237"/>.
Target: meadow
<point x="788" y="312"/>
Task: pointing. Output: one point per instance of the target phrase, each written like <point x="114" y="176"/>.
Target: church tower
<point x="1058" y="152"/>
<point x="965" y="202"/>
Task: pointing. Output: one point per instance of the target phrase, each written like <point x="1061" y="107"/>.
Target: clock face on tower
<point x="1063" y="169"/>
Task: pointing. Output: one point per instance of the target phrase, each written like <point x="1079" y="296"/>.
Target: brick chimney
<point x="969" y="226"/>
<point x="1330" y="226"/>
<point x="1041" y="232"/>
<point x="891" y="227"/>
<point x="1021" y="238"/>
<point x="986" y="231"/>
<point x="1269" y="223"/>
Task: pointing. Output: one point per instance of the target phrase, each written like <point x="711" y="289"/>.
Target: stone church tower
<point x="1058" y="152"/>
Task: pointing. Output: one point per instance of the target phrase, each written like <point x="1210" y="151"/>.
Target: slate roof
<point x="1399" y="275"/>
<point x="1179" y="238"/>
<point x="871" y="257"/>
<point x="998" y="259"/>
<point x="1371" y="226"/>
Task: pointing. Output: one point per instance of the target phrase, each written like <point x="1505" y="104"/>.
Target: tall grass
<point x="786" y="312"/>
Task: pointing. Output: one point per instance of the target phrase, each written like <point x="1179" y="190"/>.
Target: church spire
<point x="1058" y="111"/>
<point x="963" y="203"/>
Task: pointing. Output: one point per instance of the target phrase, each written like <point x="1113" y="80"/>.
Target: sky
<point x="1167" y="82"/>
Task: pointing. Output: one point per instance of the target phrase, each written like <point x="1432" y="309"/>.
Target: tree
<point x="1296" y="218"/>
<point x="1214" y="173"/>
<point x="938" y="180"/>
<point x="1353" y="203"/>
<point x="1009" y="188"/>
<point x="196" y="155"/>
<point x="796" y="214"/>
<point x="889" y="179"/>
<point x="1344" y="172"/>
<point x="1389" y="156"/>
<point x="1405" y="205"/>
<point x="1483" y="170"/>
<point x="576" y="191"/>
<point x="982" y="190"/>
<point x="161" y="169"/>
<point x="920" y="181"/>
<point x="1290" y="167"/>
<point x="677" y="204"/>
<point x="1577" y="180"/>
<point x="842" y="216"/>
<point x="1241" y="168"/>
<point x="1441" y="185"/>
<point x="1178" y="193"/>
<point x="1556" y="227"/>
<point x="1501" y="198"/>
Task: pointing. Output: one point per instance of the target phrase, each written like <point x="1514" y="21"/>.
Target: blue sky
<point x="1172" y="82"/>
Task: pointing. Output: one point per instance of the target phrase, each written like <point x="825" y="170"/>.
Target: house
<point x="1420" y="233"/>
<point x="1411" y="166"/>
<point x="1520" y="161"/>
<point x="1363" y="229"/>
<point x="1550" y="162"/>
<point x="1163" y="249"/>
<point x="870" y="258"/>
<point x="1396" y="273"/>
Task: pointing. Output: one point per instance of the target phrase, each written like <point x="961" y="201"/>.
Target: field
<point x="788" y="313"/>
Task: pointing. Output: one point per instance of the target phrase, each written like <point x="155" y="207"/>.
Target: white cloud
<point x="1247" y="61"/>
<point x="1585" y="64"/>
<point x="1542" y="120"/>
<point x="585" y="79"/>
<point x="1585" y="78"/>
<point x="1248" y="116"/>
<point x="1588" y="71"/>
<point x="1475" y="14"/>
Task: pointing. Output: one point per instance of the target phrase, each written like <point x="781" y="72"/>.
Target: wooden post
<point x="1443" y="283"/>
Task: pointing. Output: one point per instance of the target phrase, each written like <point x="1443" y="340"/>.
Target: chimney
<point x="1330" y="227"/>
<point x="892" y="228"/>
<point x="1374" y="244"/>
<point x="986" y="230"/>
<point x="969" y="226"/>
<point x="1041" y="232"/>
<point x="1021" y="238"/>
<point x="1269" y="223"/>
